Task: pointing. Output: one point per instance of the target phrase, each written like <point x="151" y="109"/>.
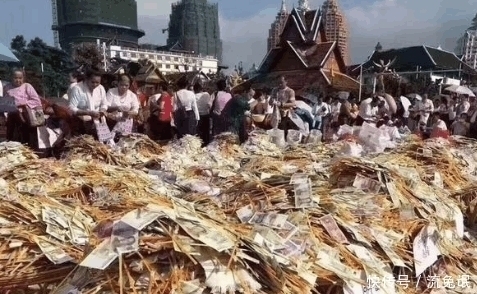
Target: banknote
<point x="190" y="287"/>
<point x="272" y="220"/>
<point x="366" y="184"/>
<point x="184" y="209"/>
<point x="329" y="223"/>
<point x="124" y="238"/>
<point x="101" y="257"/>
<point x="56" y="232"/>
<point x="245" y="213"/>
<point x="303" y="195"/>
<point x="77" y="235"/>
<point x="270" y="238"/>
<point x="287" y="231"/>
<point x="210" y="235"/>
<point x="140" y="218"/>
<point x="298" y="178"/>
<point x="53" y="252"/>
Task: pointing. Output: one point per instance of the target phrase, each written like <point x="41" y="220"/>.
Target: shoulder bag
<point x="179" y="113"/>
<point x="35" y="117"/>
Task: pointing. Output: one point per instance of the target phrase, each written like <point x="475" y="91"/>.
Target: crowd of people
<point x="183" y="109"/>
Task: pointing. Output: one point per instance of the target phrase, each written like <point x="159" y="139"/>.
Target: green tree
<point x="53" y="80"/>
<point x="18" y="43"/>
<point x="87" y="55"/>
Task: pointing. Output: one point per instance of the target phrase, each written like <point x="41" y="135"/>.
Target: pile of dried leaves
<point x="227" y="219"/>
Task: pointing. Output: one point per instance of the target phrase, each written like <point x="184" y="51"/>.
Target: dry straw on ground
<point x="224" y="219"/>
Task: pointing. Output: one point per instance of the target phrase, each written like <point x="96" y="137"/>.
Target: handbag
<point x="35" y="117"/>
<point x="102" y="130"/>
<point x="180" y="113"/>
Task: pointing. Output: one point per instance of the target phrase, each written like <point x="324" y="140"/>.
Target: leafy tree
<point x="18" y="43"/>
<point x="87" y="55"/>
<point x="53" y="80"/>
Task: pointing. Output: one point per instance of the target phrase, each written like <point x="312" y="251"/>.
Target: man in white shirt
<point x="425" y="108"/>
<point x="367" y="110"/>
<point x="88" y="98"/>
<point x="204" y="104"/>
<point x="320" y="111"/>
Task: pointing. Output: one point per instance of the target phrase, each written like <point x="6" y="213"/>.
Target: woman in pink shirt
<point x="25" y="96"/>
<point x="220" y="121"/>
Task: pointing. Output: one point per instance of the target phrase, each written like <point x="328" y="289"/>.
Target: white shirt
<point x="68" y="92"/>
<point x="366" y="110"/>
<point x="425" y="109"/>
<point x="439" y="125"/>
<point x="82" y="99"/>
<point x="188" y="101"/>
<point x="452" y="112"/>
<point x="320" y="110"/>
<point x="459" y="128"/>
<point x="204" y="103"/>
<point x="127" y="102"/>
<point x="463" y="107"/>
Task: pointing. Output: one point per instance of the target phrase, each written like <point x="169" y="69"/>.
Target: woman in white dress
<point x="123" y="104"/>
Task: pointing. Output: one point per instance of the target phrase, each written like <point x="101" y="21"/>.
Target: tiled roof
<point x="269" y="59"/>
<point x="150" y="74"/>
<point x="341" y="82"/>
<point x="314" y="54"/>
<point x="190" y="76"/>
<point x="427" y="58"/>
<point x="300" y="79"/>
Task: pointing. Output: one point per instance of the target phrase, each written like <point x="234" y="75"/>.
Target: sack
<point x="35" y="117"/>
<point x="102" y="130"/>
<point x="124" y="127"/>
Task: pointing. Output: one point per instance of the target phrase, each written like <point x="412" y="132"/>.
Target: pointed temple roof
<point x="305" y="57"/>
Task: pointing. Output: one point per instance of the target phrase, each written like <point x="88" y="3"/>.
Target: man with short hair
<point x="283" y="97"/>
<point x="366" y="110"/>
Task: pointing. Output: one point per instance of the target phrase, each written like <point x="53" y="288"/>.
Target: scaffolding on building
<point x="277" y="27"/>
<point x="56" y="36"/>
<point x="336" y="27"/>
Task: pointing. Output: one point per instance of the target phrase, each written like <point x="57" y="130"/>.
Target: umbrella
<point x="460" y="90"/>
<point x="415" y="96"/>
<point x="7" y="55"/>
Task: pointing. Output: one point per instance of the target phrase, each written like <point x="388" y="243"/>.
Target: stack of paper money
<point x="254" y="219"/>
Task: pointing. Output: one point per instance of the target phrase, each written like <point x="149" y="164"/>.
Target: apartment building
<point x="167" y="62"/>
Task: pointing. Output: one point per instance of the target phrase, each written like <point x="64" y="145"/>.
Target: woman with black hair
<point x="123" y="104"/>
<point x="186" y="114"/>
<point x="88" y="101"/>
<point x="220" y="122"/>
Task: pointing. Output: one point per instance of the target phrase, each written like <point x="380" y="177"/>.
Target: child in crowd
<point x="460" y="127"/>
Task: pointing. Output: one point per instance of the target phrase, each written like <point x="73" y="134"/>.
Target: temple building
<point x="277" y="27"/>
<point x="336" y="27"/>
<point x="311" y="63"/>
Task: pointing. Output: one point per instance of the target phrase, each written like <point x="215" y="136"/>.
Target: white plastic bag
<point x="351" y="149"/>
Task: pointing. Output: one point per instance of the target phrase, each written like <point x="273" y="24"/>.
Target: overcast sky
<point x="245" y="23"/>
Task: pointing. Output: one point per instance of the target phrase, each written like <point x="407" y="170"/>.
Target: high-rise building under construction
<point x="276" y="28"/>
<point x="194" y="27"/>
<point x="336" y="27"/>
<point x="86" y="21"/>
